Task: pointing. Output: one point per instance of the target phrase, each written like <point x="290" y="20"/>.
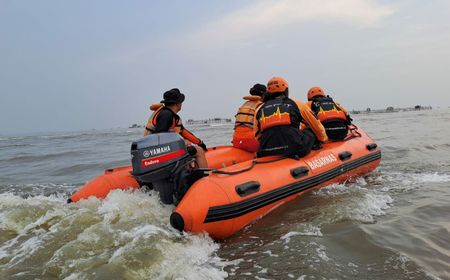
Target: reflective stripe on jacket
<point x="277" y="112"/>
<point x="326" y="109"/>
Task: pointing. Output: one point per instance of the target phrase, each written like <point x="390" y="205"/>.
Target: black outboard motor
<point x="162" y="160"/>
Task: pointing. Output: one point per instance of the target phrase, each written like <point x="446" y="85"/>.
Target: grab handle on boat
<point x="247" y="188"/>
<point x="371" y="147"/>
<point x="299" y="172"/>
<point x="345" y="155"/>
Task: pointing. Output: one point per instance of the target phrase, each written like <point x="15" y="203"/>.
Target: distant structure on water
<point x="213" y="121"/>
<point x="208" y="121"/>
<point x="391" y="109"/>
<point x="224" y="121"/>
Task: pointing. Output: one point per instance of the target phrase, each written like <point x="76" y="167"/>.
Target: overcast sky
<point x="73" y="65"/>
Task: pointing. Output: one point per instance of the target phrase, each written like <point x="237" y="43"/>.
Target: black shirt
<point x="164" y="120"/>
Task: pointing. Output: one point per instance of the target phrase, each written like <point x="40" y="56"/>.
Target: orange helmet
<point x="276" y="84"/>
<point x="315" y="91"/>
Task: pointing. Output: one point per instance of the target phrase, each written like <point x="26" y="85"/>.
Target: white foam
<point x="408" y="181"/>
<point x="269" y="252"/>
<point x="431" y="276"/>
<point x="24" y="249"/>
<point x="125" y="205"/>
<point x="310" y="230"/>
<point x="321" y="253"/>
<point x="371" y="206"/>
<point x="263" y="271"/>
<point x="332" y="190"/>
<point x="195" y="259"/>
<point x="356" y="202"/>
<point x="134" y="237"/>
<point x="110" y="230"/>
<point x="433" y="178"/>
<point x="17" y="213"/>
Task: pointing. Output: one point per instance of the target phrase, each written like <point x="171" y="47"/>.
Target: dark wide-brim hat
<point x="173" y="96"/>
<point x="258" y="90"/>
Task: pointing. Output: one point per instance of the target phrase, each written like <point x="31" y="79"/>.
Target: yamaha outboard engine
<point x="162" y="160"/>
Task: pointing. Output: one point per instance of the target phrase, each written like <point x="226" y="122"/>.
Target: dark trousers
<point x="285" y="141"/>
<point x="336" y="129"/>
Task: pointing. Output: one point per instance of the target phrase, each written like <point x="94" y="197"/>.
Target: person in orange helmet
<point x="331" y="114"/>
<point x="243" y="136"/>
<point x="165" y="119"/>
<point x="278" y="122"/>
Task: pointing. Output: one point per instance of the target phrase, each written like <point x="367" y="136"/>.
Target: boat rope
<point x="354" y="130"/>
<point x="254" y="162"/>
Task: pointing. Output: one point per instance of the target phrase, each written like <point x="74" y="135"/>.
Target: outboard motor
<point x="162" y="160"/>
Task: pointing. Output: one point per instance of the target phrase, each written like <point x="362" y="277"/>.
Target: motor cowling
<point x="158" y="160"/>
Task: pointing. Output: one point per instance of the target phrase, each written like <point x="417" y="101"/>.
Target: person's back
<point x="333" y="116"/>
<point x="278" y="124"/>
<point x="243" y="136"/>
<point x="165" y="119"/>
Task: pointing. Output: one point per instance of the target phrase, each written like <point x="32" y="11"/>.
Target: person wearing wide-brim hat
<point x="165" y="118"/>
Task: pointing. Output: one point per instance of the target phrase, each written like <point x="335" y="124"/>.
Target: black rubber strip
<point x="233" y="210"/>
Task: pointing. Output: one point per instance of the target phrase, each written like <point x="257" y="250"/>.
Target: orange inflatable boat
<point x="237" y="188"/>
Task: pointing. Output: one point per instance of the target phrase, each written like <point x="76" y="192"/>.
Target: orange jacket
<point x="245" y="118"/>
<point x="177" y="126"/>
<point x="311" y="121"/>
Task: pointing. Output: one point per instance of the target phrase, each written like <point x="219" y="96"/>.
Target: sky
<point x="76" y="65"/>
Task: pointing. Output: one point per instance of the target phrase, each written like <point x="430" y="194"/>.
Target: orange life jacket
<point x="277" y="112"/>
<point x="246" y="113"/>
<point x="151" y="124"/>
<point x="326" y="109"/>
<point x="176" y="126"/>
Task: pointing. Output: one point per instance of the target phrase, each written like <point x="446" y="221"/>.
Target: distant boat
<point x="135" y="126"/>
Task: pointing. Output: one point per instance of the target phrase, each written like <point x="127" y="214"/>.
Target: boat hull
<point x="222" y="204"/>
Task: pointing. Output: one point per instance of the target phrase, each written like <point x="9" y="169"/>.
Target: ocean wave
<point x="126" y="235"/>
<point x="13" y="138"/>
<point x="353" y="201"/>
<point x="431" y="177"/>
<point x="73" y="169"/>
<point x="25" y="158"/>
<point x="311" y="230"/>
<point x="8" y="146"/>
<point x="37" y="189"/>
<point x="405" y="182"/>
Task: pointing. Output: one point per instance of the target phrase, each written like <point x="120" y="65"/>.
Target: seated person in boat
<point x="243" y="137"/>
<point x="166" y="119"/>
<point x="331" y="114"/>
<point x="278" y="120"/>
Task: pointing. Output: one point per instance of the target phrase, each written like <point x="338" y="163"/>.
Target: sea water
<point x="393" y="223"/>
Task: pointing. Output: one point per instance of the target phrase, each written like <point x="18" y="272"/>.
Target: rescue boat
<point x="238" y="188"/>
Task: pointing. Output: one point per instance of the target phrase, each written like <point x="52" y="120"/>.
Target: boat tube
<point x="238" y="188"/>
